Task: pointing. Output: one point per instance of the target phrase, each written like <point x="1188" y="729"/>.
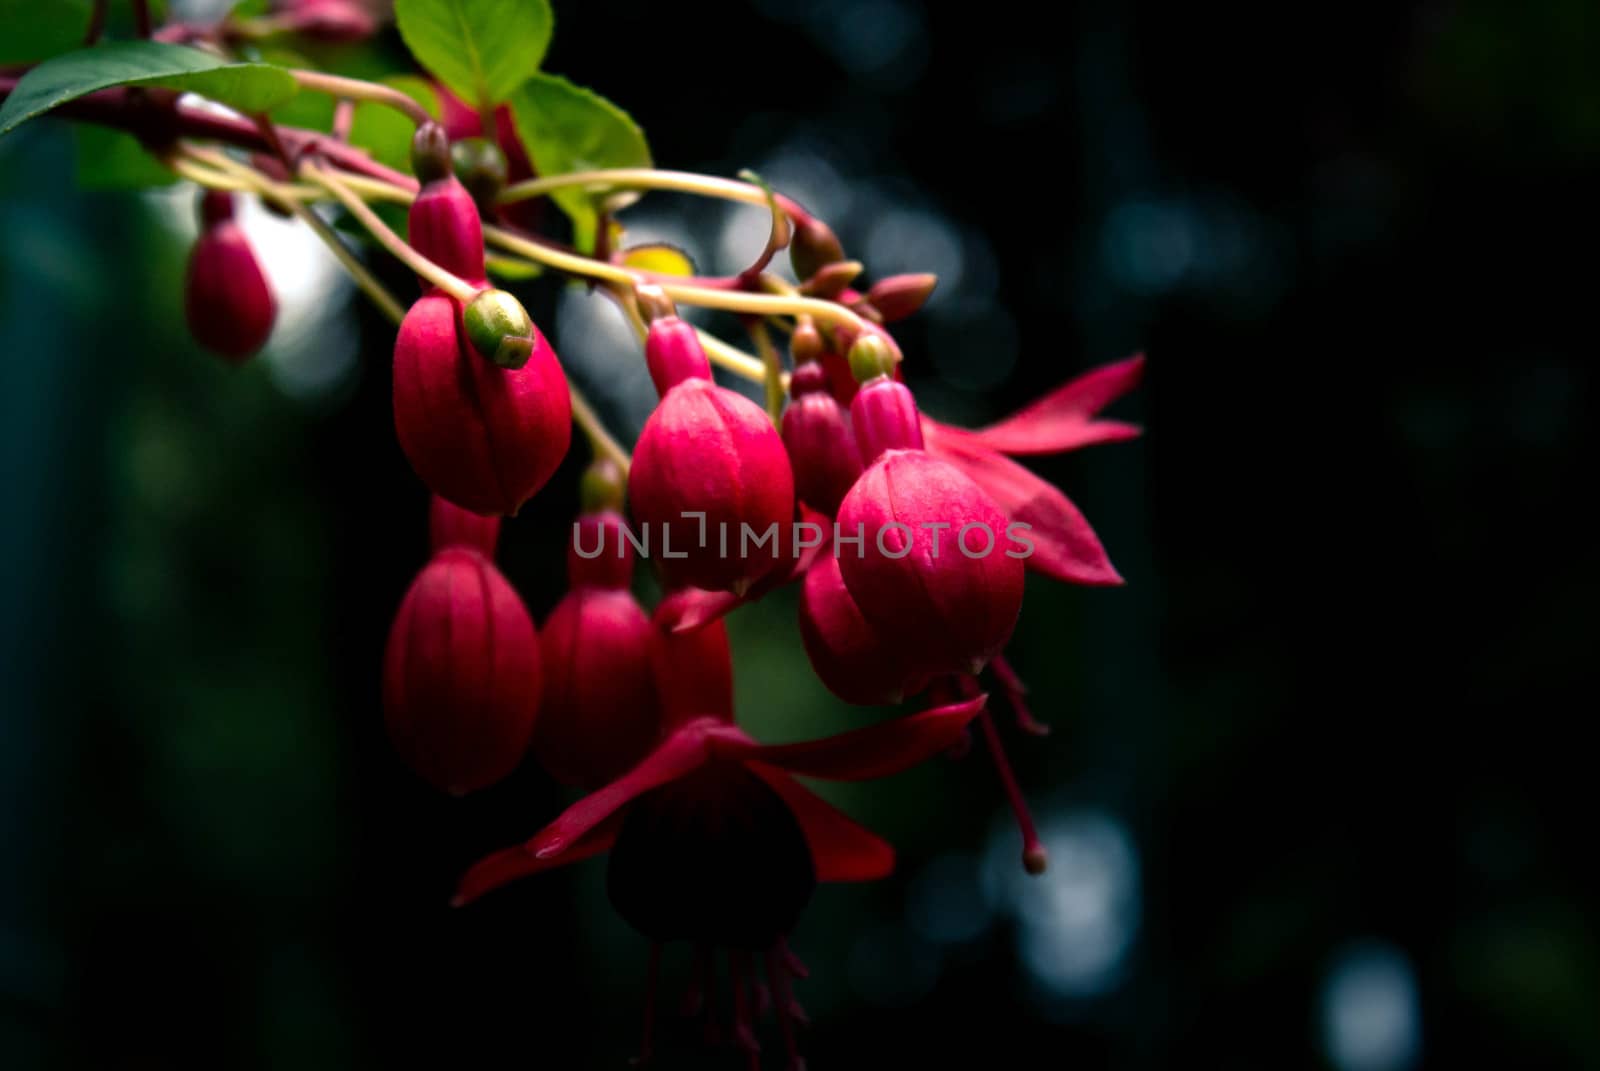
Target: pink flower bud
<point x="484" y="437"/>
<point x="598" y="716"/>
<point x="461" y="674"/>
<point x="885" y="417"/>
<point x="822" y="448"/>
<point x="899" y="296"/>
<point x="849" y="657"/>
<point x="332" y="21"/>
<point x="451" y="526"/>
<point x="708" y="467"/>
<point x="443" y="226"/>
<point x="227" y="302"/>
<point x="933" y="576"/>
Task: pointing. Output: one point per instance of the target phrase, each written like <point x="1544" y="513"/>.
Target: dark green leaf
<point x="567" y="128"/>
<point x="35" y="31"/>
<point x="480" y="49"/>
<point x="112" y="160"/>
<point x="249" y="87"/>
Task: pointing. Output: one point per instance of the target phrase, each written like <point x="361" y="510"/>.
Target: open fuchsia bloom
<point x="712" y="840"/>
<point x="226" y="299"/>
<point x="484" y="437"/>
<point x="707" y="466"/>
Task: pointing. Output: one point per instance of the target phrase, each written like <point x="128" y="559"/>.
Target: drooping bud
<point x="937" y="575"/>
<point x="832" y="281"/>
<point x="870" y="357"/>
<point x="673" y="353"/>
<point x="227" y="301"/>
<point x="806" y="344"/>
<point x="708" y="468"/>
<point x="461" y="674"/>
<point x="813" y="247"/>
<point x="599" y="715"/>
<point x="481" y="168"/>
<point x="884" y="417"/>
<point x="847" y="654"/>
<point x="451" y="526"/>
<point x="817" y="435"/>
<point x="899" y="296"/>
<point x="430" y="153"/>
<point x="693" y="669"/>
<point x="499" y="328"/>
<point x="443" y="225"/>
<point x="485" y="438"/>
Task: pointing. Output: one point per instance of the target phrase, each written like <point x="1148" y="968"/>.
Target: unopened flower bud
<point x="831" y="281"/>
<point x="806" y="344"/>
<point x="499" y="328"/>
<point x="602" y="486"/>
<point x="871" y="357"/>
<point x="899" y="296"/>
<point x="430" y="152"/>
<point x="481" y="167"/>
<point x="813" y="247"/>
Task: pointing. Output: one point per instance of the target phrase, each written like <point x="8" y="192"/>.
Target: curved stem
<point x="357" y="89"/>
<point x="600" y="440"/>
<point x="453" y="285"/>
<point x="646" y="178"/>
<point x="772" y="363"/>
<point x="734" y="359"/>
<point x="286" y="195"/>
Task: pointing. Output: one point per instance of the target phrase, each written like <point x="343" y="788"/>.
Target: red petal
<point x="1064" y="546"/>
<point x="509" y="864"/>
<point x="694" y="607"/>
<point x="876" y="751"/>
<point x="841" y="848"/>
<point x="675" y="756"/>
<point x="1064" y="419"/>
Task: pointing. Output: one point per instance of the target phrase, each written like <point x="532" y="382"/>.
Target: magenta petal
<point x="1064" y="546"/>
<point x="842" y="849"/>
<point x="678" y="754"/>
<point x="695" y="607"/>
<point x="876" y="751"/>
<point x="1064" y="419"/>
<point x="509" y="864"/>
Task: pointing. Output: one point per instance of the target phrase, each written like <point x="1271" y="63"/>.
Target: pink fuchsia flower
<point x="461" y="673"/>
<point x="708" y="468"/>
<point x="712" y="839"/>
<point x="935" y="575"/>
<point x="484" y="437"/>
<point x="847" y="654"/>
<point x="598" y="715"/>
<point x="816" y="433"/>
<point x="227" y="302"/>
<point x="1064" y="545"/>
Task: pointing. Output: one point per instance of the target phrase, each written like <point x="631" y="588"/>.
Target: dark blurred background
<point x="1315" y="795"/>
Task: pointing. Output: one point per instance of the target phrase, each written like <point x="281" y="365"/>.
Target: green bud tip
<point x="871" y="357"/>
<point x="601" y="487"/>
<point x="806" y="343"/>
<point x="481" y="167"/>
<point x="654" y="304"/>
<point x="430" y="152"/>
<point x="499" y="328"/>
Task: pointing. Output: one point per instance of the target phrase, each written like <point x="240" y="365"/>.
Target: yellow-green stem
<point x="772" y="361"/>
<point x="600" y="440"/>
<point x="356" y="89"/>
<point x="451" y="284"/>
<point x="637" y="178"/>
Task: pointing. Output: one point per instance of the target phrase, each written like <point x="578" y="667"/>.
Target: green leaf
<point x="35" y="31"/>
<point x="249" y="87"/>
<point x="480" y="49"/>
<point x="112" y="160"/>
<point x="567" y="128"/>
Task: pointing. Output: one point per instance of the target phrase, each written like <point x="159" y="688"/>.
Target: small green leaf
<point x="112" y="160"/>
<point x="567" y="128"/>
<point x="35" y="31"/>
<point x="249" y="87"/>
<point x="480" y="49"/>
